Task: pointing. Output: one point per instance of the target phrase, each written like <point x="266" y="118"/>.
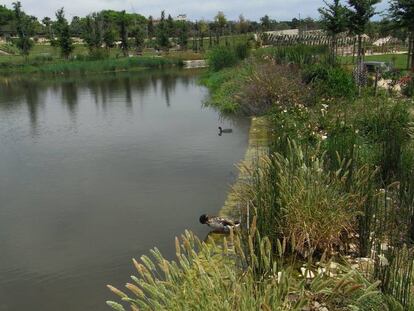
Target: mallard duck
<point x="218" y="224"/>
<point x="224" y="131"/>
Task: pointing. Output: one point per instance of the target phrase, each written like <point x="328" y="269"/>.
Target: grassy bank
<point x="326" y="205"/>
<point x="85" y="66"/>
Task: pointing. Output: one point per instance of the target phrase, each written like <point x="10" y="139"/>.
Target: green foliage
<point x="64" y="38"/>
<point x="9" y="48"/>
<point x="91" y="63"/>
<point x="163" y="40"/>
<point x="182" y="29"/>
<point x="360" y="14"/>
<point x="299" y="55"/>
<point x="386" y="125"/>
<point x="24" y="29"/>
<point x="330" y="81"/>
<point x="334" y="18"/>
<point x="242" y="50"/>
<point x="209" y="276"/>
<point x="6" y="15"/>
<point x="221" y="57"/>
<point x="124" y="21"/>
<point x="402" y="11"/>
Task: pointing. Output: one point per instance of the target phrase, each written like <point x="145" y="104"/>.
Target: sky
<point x="195" y="9"/>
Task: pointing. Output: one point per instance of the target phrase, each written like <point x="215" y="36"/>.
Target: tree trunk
<point x="360" y="69"/>
<point x="412" y="52"/>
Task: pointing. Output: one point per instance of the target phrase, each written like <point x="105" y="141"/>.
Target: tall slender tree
<point x="150" y="27"/>
<point x="220" y="22"/>
<point x="203" y="30"/>
<point x="64" y="38"/>
<point x="139" y="37"/>
<point x="359" y="17"/>
<point x="334" y="21"/>
<point x="162" y="33"/>
<point x="24" y="29"/>
<point x="123" y="22"/>
<point x="402" y="12"/>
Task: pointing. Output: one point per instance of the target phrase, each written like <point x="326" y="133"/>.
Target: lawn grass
<point x="399" y="60"/>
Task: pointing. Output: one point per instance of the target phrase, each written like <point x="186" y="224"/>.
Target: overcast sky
<point x="195" y="9"/>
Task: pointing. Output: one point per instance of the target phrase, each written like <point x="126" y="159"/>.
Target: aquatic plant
<point x="223" y="276"/>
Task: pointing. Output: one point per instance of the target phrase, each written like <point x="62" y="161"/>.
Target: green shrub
<point x="9" y="48"/>
<point x="387" y="126"/>
<point x="242" y="50"/>
<point x="407" y="86"/>
<point x="330" y="81"/>
<point x="98" y="54"/>
<point x="297" y="199"/>
<point x="299" y="55"/>
<point x="221" y="57"/>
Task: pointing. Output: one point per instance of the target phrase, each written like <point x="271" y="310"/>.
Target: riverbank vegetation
<point x="327" y="214"/>
<point x="53" y="41"/>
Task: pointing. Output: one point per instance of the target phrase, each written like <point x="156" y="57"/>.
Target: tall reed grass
<point x="211" y="276"/>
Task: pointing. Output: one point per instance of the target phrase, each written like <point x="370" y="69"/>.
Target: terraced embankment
<point x="258" y="145"/>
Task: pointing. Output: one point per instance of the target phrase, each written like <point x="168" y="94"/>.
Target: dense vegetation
<point x="327" y="213"/>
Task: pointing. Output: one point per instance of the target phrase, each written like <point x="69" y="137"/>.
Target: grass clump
<point x="331" y="81"/>
<point x="221" y="57"/>
<point x="208" y="276"/>
<point x="43" y="66"/>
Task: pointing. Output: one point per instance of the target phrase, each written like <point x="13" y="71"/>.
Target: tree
<point x="242" y="25"/>
<point x="110" y="33"/>
<point x="92" y="31"/>
<point x="334" y="21"/>
<point x="202" y="30"/>
<point x="150" y="27"/>
<point x="47" y="21"/>
<point x="24" y="29"/>
<point x="123" y="23"/>
<point x="6" y="16"/>
<point x="402" y="12"/>
<point x="170" y="26"/>
<point x="220" y="22"/>
<point x="162" y="33"/>
<point x="265" y="23"/>
<point x="64" y="38"/>
<point x="182" y="28"/>
<point x="139" y="37"/>
<point x="76" y="26"/>
<point x="359" y="17"/>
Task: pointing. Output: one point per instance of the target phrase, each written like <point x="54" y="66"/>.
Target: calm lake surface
<point x="97" y="170"/>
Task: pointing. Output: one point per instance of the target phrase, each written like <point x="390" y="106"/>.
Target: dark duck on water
<point x="224" y="131"/>
<point x="218" y="224"/>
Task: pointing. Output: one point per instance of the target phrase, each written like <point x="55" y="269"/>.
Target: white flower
<point x="383" y="260"/>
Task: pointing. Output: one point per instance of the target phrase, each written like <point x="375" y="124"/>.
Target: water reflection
<point x="70" y="97"/>
<point x="120" y="163"/>
<point x="31" y="92"/>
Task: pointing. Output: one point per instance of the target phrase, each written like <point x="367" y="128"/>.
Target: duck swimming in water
<point x="218" y="224"/>
<point x="224" y="131"/>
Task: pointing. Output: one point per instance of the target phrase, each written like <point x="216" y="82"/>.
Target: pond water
<point x="97" y="170"/>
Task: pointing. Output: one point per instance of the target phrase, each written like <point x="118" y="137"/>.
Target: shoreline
<point x="257" y="146"/>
